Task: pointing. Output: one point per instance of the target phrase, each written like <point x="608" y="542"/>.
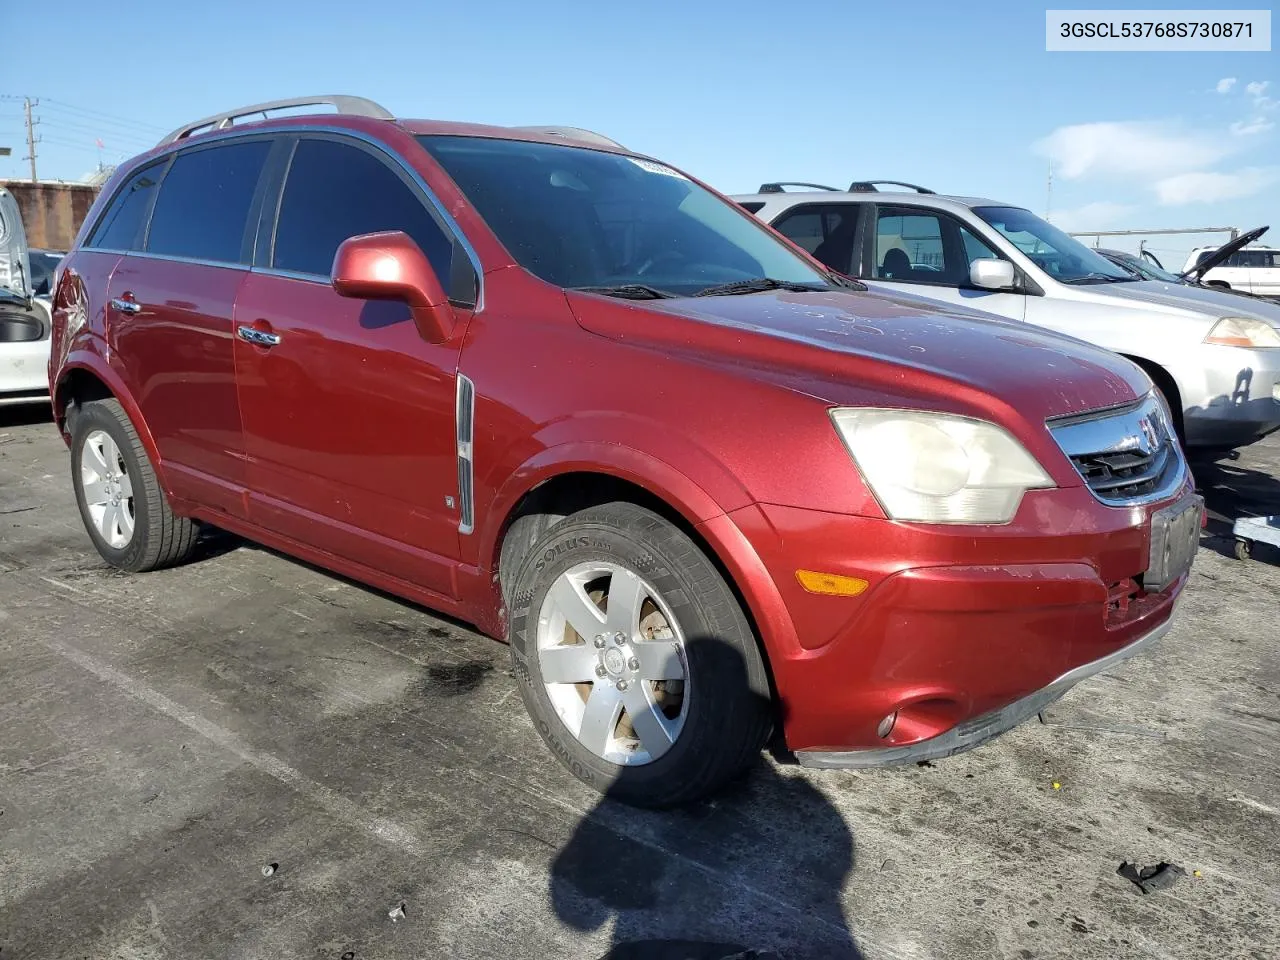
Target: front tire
<point x="635" y="660"/>
<point x="121" y="503"/>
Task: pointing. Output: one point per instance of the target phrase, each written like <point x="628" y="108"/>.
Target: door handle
<point x="259" y="337"/>
<point x="126" y="306"/>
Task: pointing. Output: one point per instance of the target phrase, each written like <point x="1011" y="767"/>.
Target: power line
<point x="113" y="117"/>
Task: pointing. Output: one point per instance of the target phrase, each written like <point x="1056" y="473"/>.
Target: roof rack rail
<point x="777" y="187"/>
<point x="351" y="106"/>
<point x="869" y="186"/>
<point x="573" y="133"/>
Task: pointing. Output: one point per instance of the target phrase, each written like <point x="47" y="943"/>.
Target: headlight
<point x="939" y="468"/>
<point x="1243" y="332"/>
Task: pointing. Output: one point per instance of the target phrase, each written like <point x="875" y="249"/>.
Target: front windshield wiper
<point x="848" y="283"/>
<point x="1099" y="278"/>
<point x="757" y="285"/>
<point x="628" y="291"/>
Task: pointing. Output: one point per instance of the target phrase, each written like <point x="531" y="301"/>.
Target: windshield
<point x="1062" y="257"/>
<point x="578" y="218"/>
<point x="1151" y="271"/>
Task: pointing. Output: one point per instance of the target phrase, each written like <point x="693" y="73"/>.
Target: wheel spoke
<point x="576" y="607"/>
<point x="110" y="520"/>
<point x="659" y="660"/>
<point x="600" y="718"/>
<point x="111" y="453"/>
<point x="93" y="457"/>
<point x="655" y="731"/>
<point x="626" y="595"/>
<point x="126" y="521"/>
<point x="95" y="492"/>
<point x="126" y="486"/>
<point x="567" y="663"/>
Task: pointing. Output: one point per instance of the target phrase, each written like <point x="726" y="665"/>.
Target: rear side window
<point x="203" y="207"/>
<point x="336" y="191"/>
<point x="121" y="226"/>
<point x="825" y="230"/>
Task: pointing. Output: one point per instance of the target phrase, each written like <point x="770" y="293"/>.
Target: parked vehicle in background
<point x="1214" y="356"/>
<point x="44" y="263"/>
<point x="1140" y="267"/>
<point x="700" y="483"/>
<point x="1248" y="269"/>
<point x="24" y="320"/>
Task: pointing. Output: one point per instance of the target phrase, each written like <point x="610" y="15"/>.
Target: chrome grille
<point x="1127" y="454"/>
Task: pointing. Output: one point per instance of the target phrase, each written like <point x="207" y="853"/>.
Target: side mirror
<point x="390" y="266"/>
<point x="992" y="274"/>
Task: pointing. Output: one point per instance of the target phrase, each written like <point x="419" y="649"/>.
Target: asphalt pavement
<point x="246" y="757"/>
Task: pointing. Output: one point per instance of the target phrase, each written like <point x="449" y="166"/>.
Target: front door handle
<point x="126" y="306"/>
<point x="260" y="337"/>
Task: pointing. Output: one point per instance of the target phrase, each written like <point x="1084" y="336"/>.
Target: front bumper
<point x="961" y="632"/>
<point x="1236" y="398"/>
<point x="977" y="731"/>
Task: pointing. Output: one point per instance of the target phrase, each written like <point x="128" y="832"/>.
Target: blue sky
<point x="958" y="96"/>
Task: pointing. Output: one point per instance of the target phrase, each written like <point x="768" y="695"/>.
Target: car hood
<point x="892" y="345"/>
<point x="1225" y="251"/>
<point x="15" y="266"/>
<point x="1188" y="299"/>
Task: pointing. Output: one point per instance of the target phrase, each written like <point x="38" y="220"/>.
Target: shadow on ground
<point x="1231" y="491"/>
<point x="646" y="872"/>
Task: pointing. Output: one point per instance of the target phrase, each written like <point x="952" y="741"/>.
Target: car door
<point x="928" y="252"/>
<point x="168" y="318"/>
<point x="349" y="414"/>
<point x="1266" y="277"/>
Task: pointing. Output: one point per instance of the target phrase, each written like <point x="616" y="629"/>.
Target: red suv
<point x="704" y="486"/>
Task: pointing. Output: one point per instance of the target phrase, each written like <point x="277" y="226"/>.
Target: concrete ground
<point x="163" y="737"/>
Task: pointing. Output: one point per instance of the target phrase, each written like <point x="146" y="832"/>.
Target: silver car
<point x="1214" y="355"/>
<point x="24" y="318"/>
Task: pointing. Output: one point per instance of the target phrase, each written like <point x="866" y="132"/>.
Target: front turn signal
<point x="830" y="584"/>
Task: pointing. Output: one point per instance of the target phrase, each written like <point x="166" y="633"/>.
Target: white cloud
<point x="1129" y="148"/>
<point x="1093" y="216"/>
<point x="1225" y="84"/>
<point x="1209" y="187"/>
<point x="1247" y="129"/>
<point x="1257" y="88"/>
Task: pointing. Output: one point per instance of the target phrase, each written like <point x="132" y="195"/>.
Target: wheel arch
<point x="86" y="378"/>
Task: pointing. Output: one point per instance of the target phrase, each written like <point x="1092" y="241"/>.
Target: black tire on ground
<point x="160" y="537"/>
<point x="729" y="713"/>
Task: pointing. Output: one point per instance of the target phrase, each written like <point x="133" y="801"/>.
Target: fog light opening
<point x="886" y="725"/>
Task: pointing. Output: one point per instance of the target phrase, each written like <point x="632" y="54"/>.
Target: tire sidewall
<point x="698" y="616"/>
<point x="93" y="417"/>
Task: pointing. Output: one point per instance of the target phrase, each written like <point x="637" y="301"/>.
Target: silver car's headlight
<point x="1243" y="332"/>
<point x="939" y="468"/>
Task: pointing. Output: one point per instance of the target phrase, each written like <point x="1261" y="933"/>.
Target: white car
<point x="1251" y="269"/>
<point x="24" y="318"/>
<point x="1214" y="355"/>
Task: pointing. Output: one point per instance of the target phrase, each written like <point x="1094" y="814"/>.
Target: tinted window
<point x="921" y="246"/>
<point x="336" y="191"/>
<point x="908" y="247"/>
<point x="121" y="226"/>
<point x="578" y="217"/>
<point x="825" y="230"/>
<point x="43" y="266"/>
<point x="1254" y="258"/>
<point x="204" y="202"/>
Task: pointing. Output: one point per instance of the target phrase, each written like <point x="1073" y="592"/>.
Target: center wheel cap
<point x="615" y="661"/>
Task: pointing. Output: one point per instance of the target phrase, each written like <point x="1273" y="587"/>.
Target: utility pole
<point x="31" y="135"/>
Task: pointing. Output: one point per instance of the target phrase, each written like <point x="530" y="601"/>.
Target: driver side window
<point x="915" y="245"/>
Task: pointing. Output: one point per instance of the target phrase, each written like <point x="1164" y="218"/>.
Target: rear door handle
<point x="260" y="337"/>
<point x="126" y="306"/>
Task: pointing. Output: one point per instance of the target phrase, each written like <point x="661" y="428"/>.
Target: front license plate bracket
<point x="1175" y="537"/>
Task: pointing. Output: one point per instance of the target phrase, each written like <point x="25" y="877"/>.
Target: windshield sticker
<point x="654" y="167"/>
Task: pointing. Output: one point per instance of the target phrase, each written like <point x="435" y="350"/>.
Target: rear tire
<point x="121" y="503"/>
<point x="663" y="701"/>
